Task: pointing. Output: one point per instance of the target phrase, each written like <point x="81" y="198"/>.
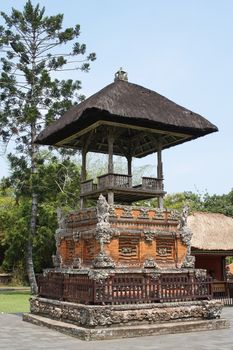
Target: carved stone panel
<point x="165" y="250"/>
<point x="128" y="248"/>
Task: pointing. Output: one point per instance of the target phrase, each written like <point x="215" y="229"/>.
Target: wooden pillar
<point x="110" y="153"/>
<point x="159" y="164"/>
<point x="129" y="159"/>
<point x="160" y="174"/>
<point x="84" y="165"/>
<point x="129" y="162"/>
<point x="110" y="166"/>
<point x="83" y="174"/>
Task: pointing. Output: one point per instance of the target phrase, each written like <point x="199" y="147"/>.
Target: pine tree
<point x="33" y="50"/>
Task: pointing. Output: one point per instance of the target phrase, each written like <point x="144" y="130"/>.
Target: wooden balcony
<point x="121" y="186"/>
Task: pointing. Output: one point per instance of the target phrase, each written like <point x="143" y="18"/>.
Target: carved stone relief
<point x="189" y="262"/>
<point x="103" y="260"/>
<point x="127" y="213"/>
<point x="143" y="213"/>
<point x="149" y="236"/>
<point x="150" y="263"/>
<point x="98" y="275"/>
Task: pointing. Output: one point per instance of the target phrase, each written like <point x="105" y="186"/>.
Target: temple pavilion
<point x="123" y="270"/>
<point x="128" y="120"/>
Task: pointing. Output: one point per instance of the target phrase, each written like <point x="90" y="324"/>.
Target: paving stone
<point x="18" y="335"/>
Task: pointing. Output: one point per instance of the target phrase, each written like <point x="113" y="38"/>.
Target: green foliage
<point x="219" y="203"/>
<point x="30" y="95"/>
<point x="207" y="203"/>
<point x="33" y="50"/>
<point x="58" y="187"/>
<point x="178" y="200"/>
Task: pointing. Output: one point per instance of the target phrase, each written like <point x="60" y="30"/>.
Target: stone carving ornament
<point x="103" y="260"/>
<point x="102" y="210"/>
<point x="127" y="213"/>
<point x="149" y="236"/>
<point x="61" y="219"/>
<point x="186" y="235"/>
<point x="185" y="232"/>
<point x="76" y="236"/>
<point x="98" y="275"/>
<point x="104" y="232"/>
<point x="150" y="263"/>
<point x="163" y="251"/>
<point x="189" y="262"/>
<point x="175" y="215"/>
<point x="143" y="213"/>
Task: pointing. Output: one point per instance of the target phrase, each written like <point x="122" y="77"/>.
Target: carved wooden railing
<point x="121" y="181"/>
<point x="114" y="180"/>
<point x="152" y="183"/>
<point x="88" y="186"/>
<point x="125" y="288"/>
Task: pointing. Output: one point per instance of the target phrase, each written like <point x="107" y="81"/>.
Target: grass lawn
<point x="14" y="301"/>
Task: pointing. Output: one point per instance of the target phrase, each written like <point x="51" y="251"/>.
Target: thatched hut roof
<point x="129" y="104"/>
<point x="211" y="231"/>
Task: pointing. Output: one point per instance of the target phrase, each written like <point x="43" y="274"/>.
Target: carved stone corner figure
<point x="103" y="209"/>
<point x="184" y="216"/>
<point x="185" y="232"/>
<point x="56" y="260"/>
<point x="61" y="219"/>
<point x="104" y="232"/>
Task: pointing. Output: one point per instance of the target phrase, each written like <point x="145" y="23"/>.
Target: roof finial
<point x="121" y="75"/>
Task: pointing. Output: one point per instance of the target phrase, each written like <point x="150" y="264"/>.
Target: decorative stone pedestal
<point x="91" y="322"/>
<point x="123" y="271"/>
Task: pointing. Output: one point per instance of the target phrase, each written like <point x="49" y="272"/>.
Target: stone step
<point x="127" y="331"/>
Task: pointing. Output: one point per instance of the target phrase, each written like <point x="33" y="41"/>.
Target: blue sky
<point x="181" y="49"/>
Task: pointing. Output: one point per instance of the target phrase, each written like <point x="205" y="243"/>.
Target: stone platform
<point x="126" y="331"/>
<point x="98" y="322"/>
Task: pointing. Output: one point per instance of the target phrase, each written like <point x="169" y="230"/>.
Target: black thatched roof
<point x="127" y="103"/>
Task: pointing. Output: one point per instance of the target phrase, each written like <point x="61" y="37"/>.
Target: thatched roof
<point x="127" y="103"/>
<point x="211" y="231"/>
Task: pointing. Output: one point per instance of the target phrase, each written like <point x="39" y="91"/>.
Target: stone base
<point x="98" y="316"/>
<point x="96" y="322"/>
<point x="127" y="331"/>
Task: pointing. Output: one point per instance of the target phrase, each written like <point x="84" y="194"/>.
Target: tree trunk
<point x="34" y="197"/>
<point x="34" y="208"/>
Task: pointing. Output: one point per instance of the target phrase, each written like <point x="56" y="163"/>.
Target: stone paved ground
<point x="18" y="335"/>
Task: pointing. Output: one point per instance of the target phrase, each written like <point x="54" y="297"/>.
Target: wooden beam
<point x="119" y="125"/>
